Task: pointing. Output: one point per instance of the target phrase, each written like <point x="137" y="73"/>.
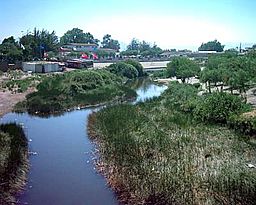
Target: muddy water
<point x="62" y="170"/>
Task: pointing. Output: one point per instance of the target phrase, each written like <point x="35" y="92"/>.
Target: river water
<point x="61" y="169"/>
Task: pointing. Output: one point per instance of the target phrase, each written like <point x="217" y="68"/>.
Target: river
<point x="62" y="170"/>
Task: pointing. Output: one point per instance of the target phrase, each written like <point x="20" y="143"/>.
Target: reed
<point x="153" y="153"/>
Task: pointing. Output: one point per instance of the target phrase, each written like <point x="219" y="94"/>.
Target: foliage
<point x="108" y="42"/>
<point x="243" y="123"/>
<point x="10" y="50"/>
<point x="182" y="68"/>
<point x="13" y="149"/>
<point x="211" y="46"/>
<point x="37" y="43"/>
<point x="123" y="69"/>
<point x="137" y="65"/>
<point x="155" y="154"/>
<point x="218" y="107"/>
<point x="77" y="35"/>
<point x="143" y="49"/>
<point x="103" y="53"/>
<point x="77" y="88"/>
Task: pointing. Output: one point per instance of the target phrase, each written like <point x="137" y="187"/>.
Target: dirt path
<point x="8" y="100"/>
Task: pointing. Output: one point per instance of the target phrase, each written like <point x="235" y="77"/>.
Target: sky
<point x="168" y="23"/>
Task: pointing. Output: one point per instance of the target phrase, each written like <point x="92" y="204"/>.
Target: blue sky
<point x="168" y="23"/>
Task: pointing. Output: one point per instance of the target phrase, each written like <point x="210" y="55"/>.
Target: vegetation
<point x="17" y="82"/>
<point x="13" y="161"/>
<point x="143" y="49"/>
<point x="157" y="153"/>
<point x="182" y="68"/>
<point x="230" y="70"/>
<point x="110" y="43"/>
<point x="77" y="88"/>
<point x="77" y="35"/>
<point x="34" y="45"/>
<point x="124" y="70"/>
<point x="211" y="46"/>
<point x="10" y="50"/>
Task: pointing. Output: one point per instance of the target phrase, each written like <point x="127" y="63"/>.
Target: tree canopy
<point x="108" y="42"/>
<point x="10" y="50"/>
<point x="37" y="43"/>
<point x="182" y="68"/>
<point x="211" y="46"/>
<point x="77" y="35"/>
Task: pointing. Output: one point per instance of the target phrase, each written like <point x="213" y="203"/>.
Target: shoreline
<point x="16" y="177"/>
<point x="109" y="172"/>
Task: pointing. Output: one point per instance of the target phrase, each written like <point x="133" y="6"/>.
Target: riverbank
<point x="76" y="89"/>
<point x="8" y="100"/>
<point x="154" y="153"/>
<point x="14" y="164"/>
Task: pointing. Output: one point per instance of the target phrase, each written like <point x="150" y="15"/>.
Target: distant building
<point x="90" y="47"/>
<point x="41" y="67"/>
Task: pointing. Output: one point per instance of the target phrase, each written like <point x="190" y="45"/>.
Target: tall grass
<point x="155" y="154"/>
<point x="13" y="161"/>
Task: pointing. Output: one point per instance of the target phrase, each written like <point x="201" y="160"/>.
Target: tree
<point x="110" y="43"/>
<point x="38" y="42"/>
<point x="211" y="46"/>
<point x="182" y="68"/>
<point x="10" y="50"/>
<point x="77" y="35"/>
<point x="134" y="45"/>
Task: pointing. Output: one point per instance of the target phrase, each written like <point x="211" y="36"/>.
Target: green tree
<point x="182" y="68"/>
<point x="77" y="35"/>
<point x="10" y="50"/>
<point x="211" y="46"/>
<point x="108" y="42"/>
<point x="38" y="42"/>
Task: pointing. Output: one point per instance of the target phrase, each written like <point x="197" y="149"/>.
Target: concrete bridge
<point x="148" y="66"/>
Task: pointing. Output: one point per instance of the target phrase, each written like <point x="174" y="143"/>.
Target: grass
<point x="155" y="153"/>
<point x="13" y="161"/>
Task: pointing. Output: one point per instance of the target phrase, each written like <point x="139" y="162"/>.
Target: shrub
<point x="123" y="69"/>
<point x="244" y="124"/>
<point x="137" y="65"/>
<point x="218" y="107"/>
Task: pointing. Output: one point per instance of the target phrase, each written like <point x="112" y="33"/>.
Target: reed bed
<point x="152" y="153"/>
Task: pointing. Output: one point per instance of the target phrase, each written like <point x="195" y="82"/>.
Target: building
<point x="83" y="47"/>
<point x="41" y="67"/>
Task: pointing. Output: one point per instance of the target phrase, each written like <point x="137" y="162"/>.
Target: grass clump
<point x="157" y="153"/>
<point x="13" y="161"/>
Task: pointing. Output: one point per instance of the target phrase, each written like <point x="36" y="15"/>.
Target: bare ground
<point x="8" y="100"/>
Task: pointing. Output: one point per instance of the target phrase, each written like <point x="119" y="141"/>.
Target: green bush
<point x="243" y="124"/>
<point x="124" y="70"/>
<point x="218" y="107"/>
<point x="137" y="65"/>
